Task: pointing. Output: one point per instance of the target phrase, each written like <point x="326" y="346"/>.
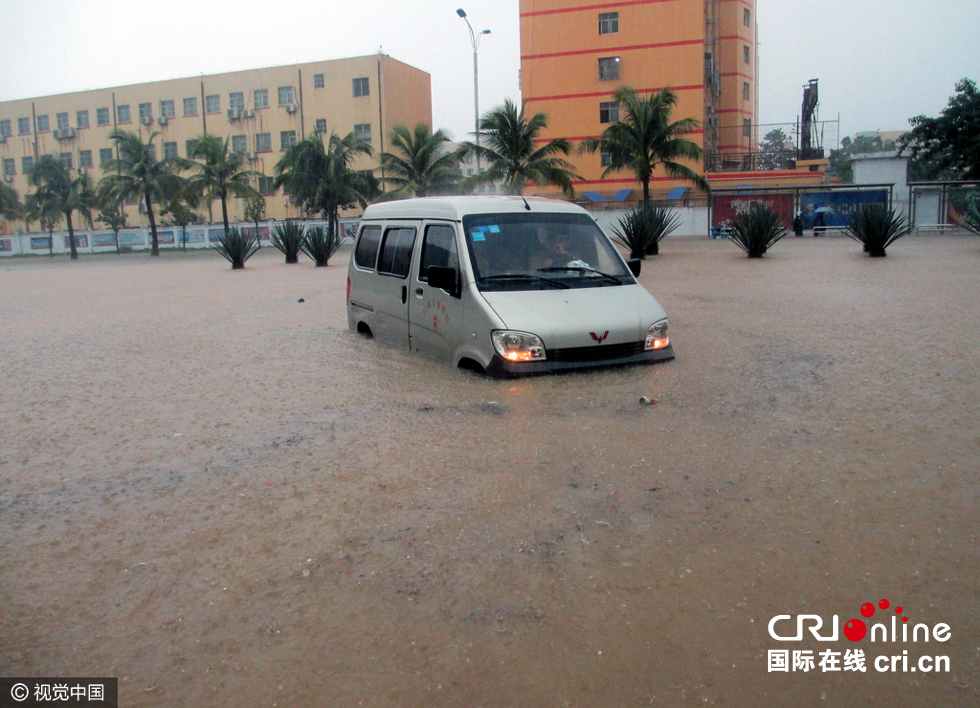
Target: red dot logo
<point x="855" y="630"/>
<point x="898" y="610"/>
<point x="883" y="603"/>
<point x="867" y="609"/>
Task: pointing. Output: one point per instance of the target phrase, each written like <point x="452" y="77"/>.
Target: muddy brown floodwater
<point x="219" y="495"/>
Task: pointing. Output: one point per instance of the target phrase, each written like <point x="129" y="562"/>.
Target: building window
<point x="236" y="101"/>
<point x="745" y="90"/>
<point x="317" y="80"/>
<point x="609" y="112"/>
<point x="285" y="95"/>
<point x="62" y="120"/>
<point x="265" y="185"/>
<point x="190" y="106"/>
<point x="167" y="109"/>
<point x="608" y="68"/>
<point x="81" y="119"/>
<point x="608" y="22"/>
<point x="152" y="150"/>
<point x="23" y="126"/>
<point x="66" y="160"/>
<point x="263" y="142"/>
<point x="287" y="138"/>
<point x="105" y="154"/>
<point x="102" y="116"/>
<point x="84" y="158"/>
<point x="260" y="98"/>
<point x="745" y="53"/>
<point x="362" y="87"/>
<point x="747" y="128"/>
<point x="43" y="124"/>
<point x="169" y="150"/>
<point x="746" y="16"/>
<point x="9" y="166"/>
<point x="146" y="113"/>
<point x="190" y="146"/>
<point x="239" y="143"/>
<point x="212" y="104"/>
<point x="605" y="158"/>
<point x="321" y="125"/>
<point x="5" y="129"/>
<point x="122" y="114"/>
<point x="27" y="164"/>
<point x="362" y="131"/>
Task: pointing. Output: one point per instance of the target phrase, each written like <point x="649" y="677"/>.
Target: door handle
<point x="419" y="292"/>
<point x="404" y="294"/>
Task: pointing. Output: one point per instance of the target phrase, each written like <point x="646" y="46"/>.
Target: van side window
<point x="367" y="247"/>
<point x="438" y="249"/>
<point x="396" y="251"/>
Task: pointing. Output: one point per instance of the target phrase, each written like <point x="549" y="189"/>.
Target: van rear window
<point x="366" y="254"/>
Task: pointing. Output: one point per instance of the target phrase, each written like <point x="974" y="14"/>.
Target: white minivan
<point x="504" y="285"/>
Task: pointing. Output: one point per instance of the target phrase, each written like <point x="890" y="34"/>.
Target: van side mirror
<point x="444" y="279"/>
<point x="634" y="266"/>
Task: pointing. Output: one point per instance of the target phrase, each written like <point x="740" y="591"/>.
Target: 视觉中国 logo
<point x="871" y="642"/>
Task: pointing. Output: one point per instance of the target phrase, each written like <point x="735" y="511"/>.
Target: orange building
<point x="575" y="53"/>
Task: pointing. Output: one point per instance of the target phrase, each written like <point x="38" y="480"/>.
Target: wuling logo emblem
<point x="599" y="337"/>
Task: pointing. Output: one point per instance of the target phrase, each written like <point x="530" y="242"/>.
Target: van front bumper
<point x="579" y="358"/>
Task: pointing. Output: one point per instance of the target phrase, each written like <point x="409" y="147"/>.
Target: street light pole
<point x="475" y="41"/>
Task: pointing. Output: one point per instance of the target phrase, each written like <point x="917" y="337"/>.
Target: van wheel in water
<point x="365" y="330"/>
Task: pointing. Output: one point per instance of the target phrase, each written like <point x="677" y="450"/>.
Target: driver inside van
<point x="558" y="250"/>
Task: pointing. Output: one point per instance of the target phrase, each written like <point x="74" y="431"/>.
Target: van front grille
<point x="596" y="353"/>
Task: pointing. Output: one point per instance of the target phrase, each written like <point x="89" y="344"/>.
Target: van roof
<point x="455" y="208"/>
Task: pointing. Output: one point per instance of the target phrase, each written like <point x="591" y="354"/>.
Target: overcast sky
<point x="878" y="62"/>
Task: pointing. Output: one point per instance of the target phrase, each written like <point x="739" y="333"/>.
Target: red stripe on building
<point x="608" y="93"/>
<point x="583" y="8"/>
<point x="739" y="74"/>
<point x="580" y="138"/>
<point x="608" y="50"/>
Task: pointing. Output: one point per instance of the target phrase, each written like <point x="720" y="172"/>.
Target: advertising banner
<point x="725" y="207"/>
<point x="834" y="208"/>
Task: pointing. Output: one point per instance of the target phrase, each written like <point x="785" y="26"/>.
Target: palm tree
<point x="59" y="192"/>
<point x="507" y="147"/>
<point x="220" y="172"/>
<point x="321" y="179"/>
<point x="419" y="170"/>
<point x="644" y="139"/>
<point x="40" y="207"/>
<point x="10" y="206"/>
<point x="139" y="175"/>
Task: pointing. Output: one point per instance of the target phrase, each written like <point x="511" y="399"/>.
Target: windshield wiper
<point x="523" y="276"/>
<point x="581" y="269"/>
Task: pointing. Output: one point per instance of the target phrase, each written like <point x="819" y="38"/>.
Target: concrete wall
<point x="693" y="221"/>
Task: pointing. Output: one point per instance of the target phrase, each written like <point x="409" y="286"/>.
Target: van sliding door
<point x="394" y="264"/>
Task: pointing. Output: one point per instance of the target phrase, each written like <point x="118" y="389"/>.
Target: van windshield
<point x="541" y="251"/>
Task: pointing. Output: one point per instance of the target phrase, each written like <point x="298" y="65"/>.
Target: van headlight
<point x="518" y="346"/>
<point x="657" y="337"/>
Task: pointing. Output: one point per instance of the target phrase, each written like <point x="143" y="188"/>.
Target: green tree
<point x="10" y="206"/>
<point x="61" y="192"/>
<point x="947" y="147"/>
<point x="39" y="206"/>
<point x="114" y="216"/>
<point x="419" y="170"/>
<point x="507" y="148"/>
<point x="181" y="206"/>
<point x="644" y="139"/>
<point x="776" y="150"/>
<point x="140" y="176"/>
<point x="255" y="212"/>
<point x="220" y="173"/>
<point x="321" y="178"/>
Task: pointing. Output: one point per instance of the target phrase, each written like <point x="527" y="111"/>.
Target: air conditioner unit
<point x="162" y="120"/>
<point x="290" y="108"/>
<point x="64" y="134"/>
<point x="8" y="178"/>
<point x="81" y="171"/>
<point x="249" y="113"/>
<point x="252" y="155"/>
<point x="146" y="120"/>
<point x="234" y="113"/>
<point x="3" y="139"/>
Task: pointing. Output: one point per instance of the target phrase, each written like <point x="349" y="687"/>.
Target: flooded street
<point x="218" y="494"/>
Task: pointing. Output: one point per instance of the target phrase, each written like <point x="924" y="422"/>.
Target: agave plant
<point x="641" y="230"/>
<point x="756" y="230"/>
<point x="288" y="238"/>
<point x="320" y="244"/>
<point x="971" y="217"/>
<point x="236" y="247"/>
<point x="876" y="227"/>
